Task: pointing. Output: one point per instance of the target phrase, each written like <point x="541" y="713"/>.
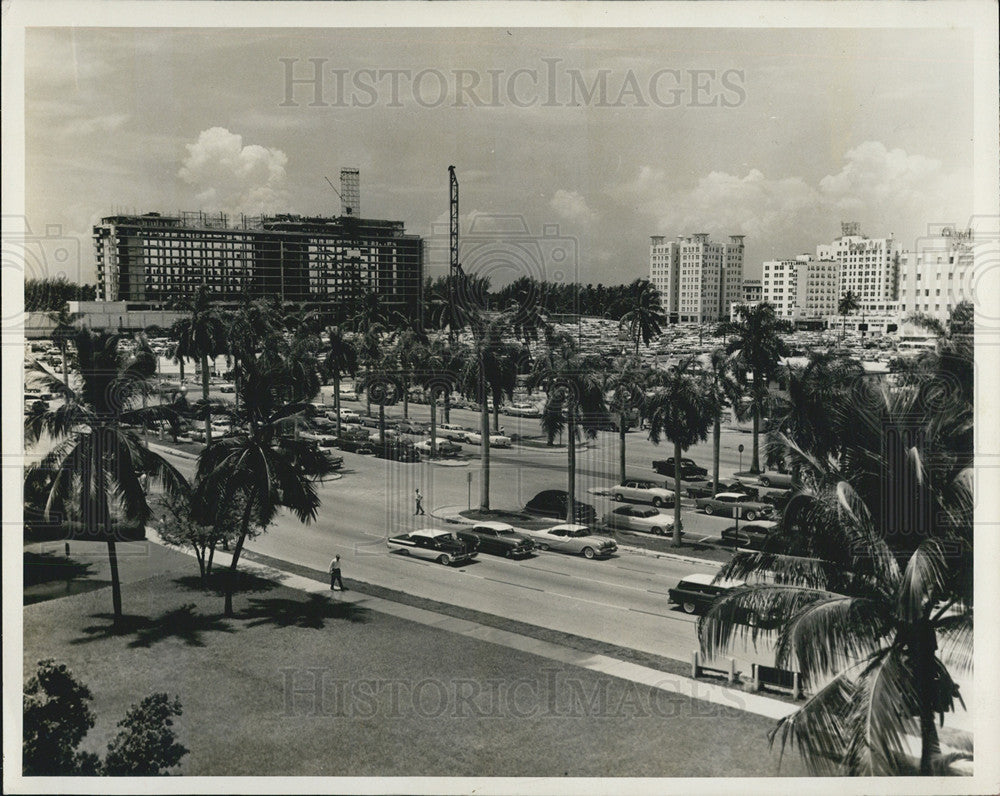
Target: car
<point x="498" y="538"/>
<point x="354" y="441"/>
<point x="727" y="504"/>
<point x="573" y="538"/>
<point x="552" y="503"/>
<point x="334" y="462"/>
<point x="227" y="388"/>
<point x="496" y="440"/>
<point x="434" y="544"/>
<point x="643" y="491"/>
<point x="326" y="440"/>
<point x="372" y="422"/>
<point x="752" y="535"/>
<point x="348" y="394"/>
<point x="411" y="427"/>
<point x="779" y="480"/>
<point x="696" y="593"/>
<point x="396" y="450"/>
<point x="453" y="432"/>
<point x="689" y="470"/>
<point x="640" y="518"/>
<point x="522" y="410"/>
<point x="704" y="488"/>
<point x="444" y="448"/>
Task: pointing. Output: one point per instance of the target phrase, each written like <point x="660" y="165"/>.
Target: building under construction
<point x="153" y="261"/>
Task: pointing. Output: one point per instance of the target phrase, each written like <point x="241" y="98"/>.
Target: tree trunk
<point x="381" y="420"/>
<point x="925" y="645"/>
<point x="484" y="430"/>
<point x="716" y="445"/>
<point x="755" y="459"/>
<point x="65" y="362"/>
<point x="621" y="446"/>
<point x="496" y="414"/>
<point x="180" y="364"/>
<point x="433" y="402"/>
<point x="368" y="392"/>
<point x="336" y="399"/>
<point x="447" y="407"/>
<point x="105" y="517"/>
<point x="406" y="399"/>
<point x="677" y="494"/>
<point x="204" y="395"/>
<point x="231" y="575"/>
<point x="571" y="463"/>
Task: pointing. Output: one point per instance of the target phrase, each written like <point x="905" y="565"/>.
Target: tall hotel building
<point x="152" y="261"/>
<point x="801" y="288"/>
<point x="697" y="279"/>
<point x="937" y="274"/>
<point x="869" y="267"/>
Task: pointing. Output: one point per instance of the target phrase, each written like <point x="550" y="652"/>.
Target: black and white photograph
<point x="500" y="397"/>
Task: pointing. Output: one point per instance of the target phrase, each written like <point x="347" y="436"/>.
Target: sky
<point x="584" y="142"/>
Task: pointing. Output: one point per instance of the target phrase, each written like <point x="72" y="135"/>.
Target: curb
<point x="171" y="451"/>
<point x="443" y="463"/>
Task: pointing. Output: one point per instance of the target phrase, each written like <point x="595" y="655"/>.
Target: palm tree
<point x="437" y="374"/>
<point x="409" y="343"/>
<point x="680" y="409"/>
<point x="255" y="321"/>
<point x="97" y="462"/>
<point x="66" y="323"/>
<point x="259" y="465"/>
<point x="486" y="371"/>
<point x="574" y="391"/>
<point x="724" y="384"/>
<point x="870" y="583"/>
<point x="341" y="359"/>
<point x="847" y="304"/>
<point x="628" y="383"/>
<point x="756" y="348"/>
<point x="202" y="335"/>
<point x="646" y="318"/>
<point x="381" y="382"/>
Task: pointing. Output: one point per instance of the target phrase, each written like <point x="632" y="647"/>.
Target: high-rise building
<point x="152" y="261"/>
<point x="802" y="287"/>
<point x="697" y="279"/>
<point x="752" y="290"/>
<point x="869" y="267"/>
<point x="936" y="274"/>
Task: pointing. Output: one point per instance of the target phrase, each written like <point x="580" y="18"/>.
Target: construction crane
<point x="455" y="268"/>
<point x="350" y="191"/>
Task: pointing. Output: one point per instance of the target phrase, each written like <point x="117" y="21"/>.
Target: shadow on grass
<point x="312" y="612"/>
<point x="183" y="623"/>
<point x="246" y="583"/>
<point x="48" y="567"/>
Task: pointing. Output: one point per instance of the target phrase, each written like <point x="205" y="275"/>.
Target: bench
<point x="777" y="679"/>
<point x="698" y="669"/>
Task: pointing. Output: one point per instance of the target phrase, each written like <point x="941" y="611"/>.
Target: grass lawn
<point x="395" y="698"/>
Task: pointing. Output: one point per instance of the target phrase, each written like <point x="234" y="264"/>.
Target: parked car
<point x="689" y="470"/>
<point x="778" y="498"/>
<point x="227" y="388"/>
<point x="346" y="416"/>
<point x="696" y="593"/>
<point x="453" y="432"/>
<point x="411" y="427"/>
<point x="727" y="504"/>
<point x="498" y="538"/>
<point x="354" y="442"/>
<point x="496" y="440"/>
<point x="640" y="518"/>
<point x="372" y="422"/>
<point x="335" y="462"/>
<point x="444" y="448"/>
<point x="780" y="480"/>
<point x="704" y="489"/>
<point x="643" y="491"/>
<point x="576" y="539"/>
<point x="522" y="410"/>
<point x="752" y="535"/>
<point x="552" y="503"/>
<point x="396" y="450"/>
<point x="390" y="433"/>
<point x="445" y="547"/>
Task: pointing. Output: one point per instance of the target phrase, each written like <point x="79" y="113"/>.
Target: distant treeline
<point x="610" y="301"/>
<point x="49" y="295"/>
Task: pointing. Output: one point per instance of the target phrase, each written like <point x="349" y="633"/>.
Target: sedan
<point x="346" y="416"/>
<point x="640" y="518"/>
<point x="444" y="447"/>
<point x="498" y="538"/>
<point x="453" y="432"/>
<point x="395" y="450"/>
<point x="689" y="470"/>
<point x="780" y="480"/>
<point x="576" y="539"/>
<point x="643" y="492"/>
<point x="735" y="504"/>
<point x="411" y="427"/>
<point x="442" y="546"/>
<point x="496" y="440"/>
<point x="522" y="410"/>
<point x="552" y="503"/>
<point x="751" y="535"/>
<point x="704" y="489"/>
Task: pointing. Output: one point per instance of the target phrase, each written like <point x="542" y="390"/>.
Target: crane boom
<point x="453" y="232"/>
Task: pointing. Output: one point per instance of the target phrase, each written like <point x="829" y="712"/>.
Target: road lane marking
<point x="553" y="571"/>
<point x="509" y="583"/>
<point x="654" y="613"/>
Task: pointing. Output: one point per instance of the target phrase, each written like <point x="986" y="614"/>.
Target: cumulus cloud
<point x="571" y="206"/>
<point x="887" y="190"/>
<point x="235" y="178"/>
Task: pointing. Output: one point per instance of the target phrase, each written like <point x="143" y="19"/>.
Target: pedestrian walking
<point x="419" y="499"/>
<point x="335" y="579"/>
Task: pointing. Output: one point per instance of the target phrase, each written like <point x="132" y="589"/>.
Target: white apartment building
<point x="802" y="287"/>
<point x="937" y="274"/>
<point x="869" y="267"/>
<point x="697" y="279"/>
<point x="752" y="290"/>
